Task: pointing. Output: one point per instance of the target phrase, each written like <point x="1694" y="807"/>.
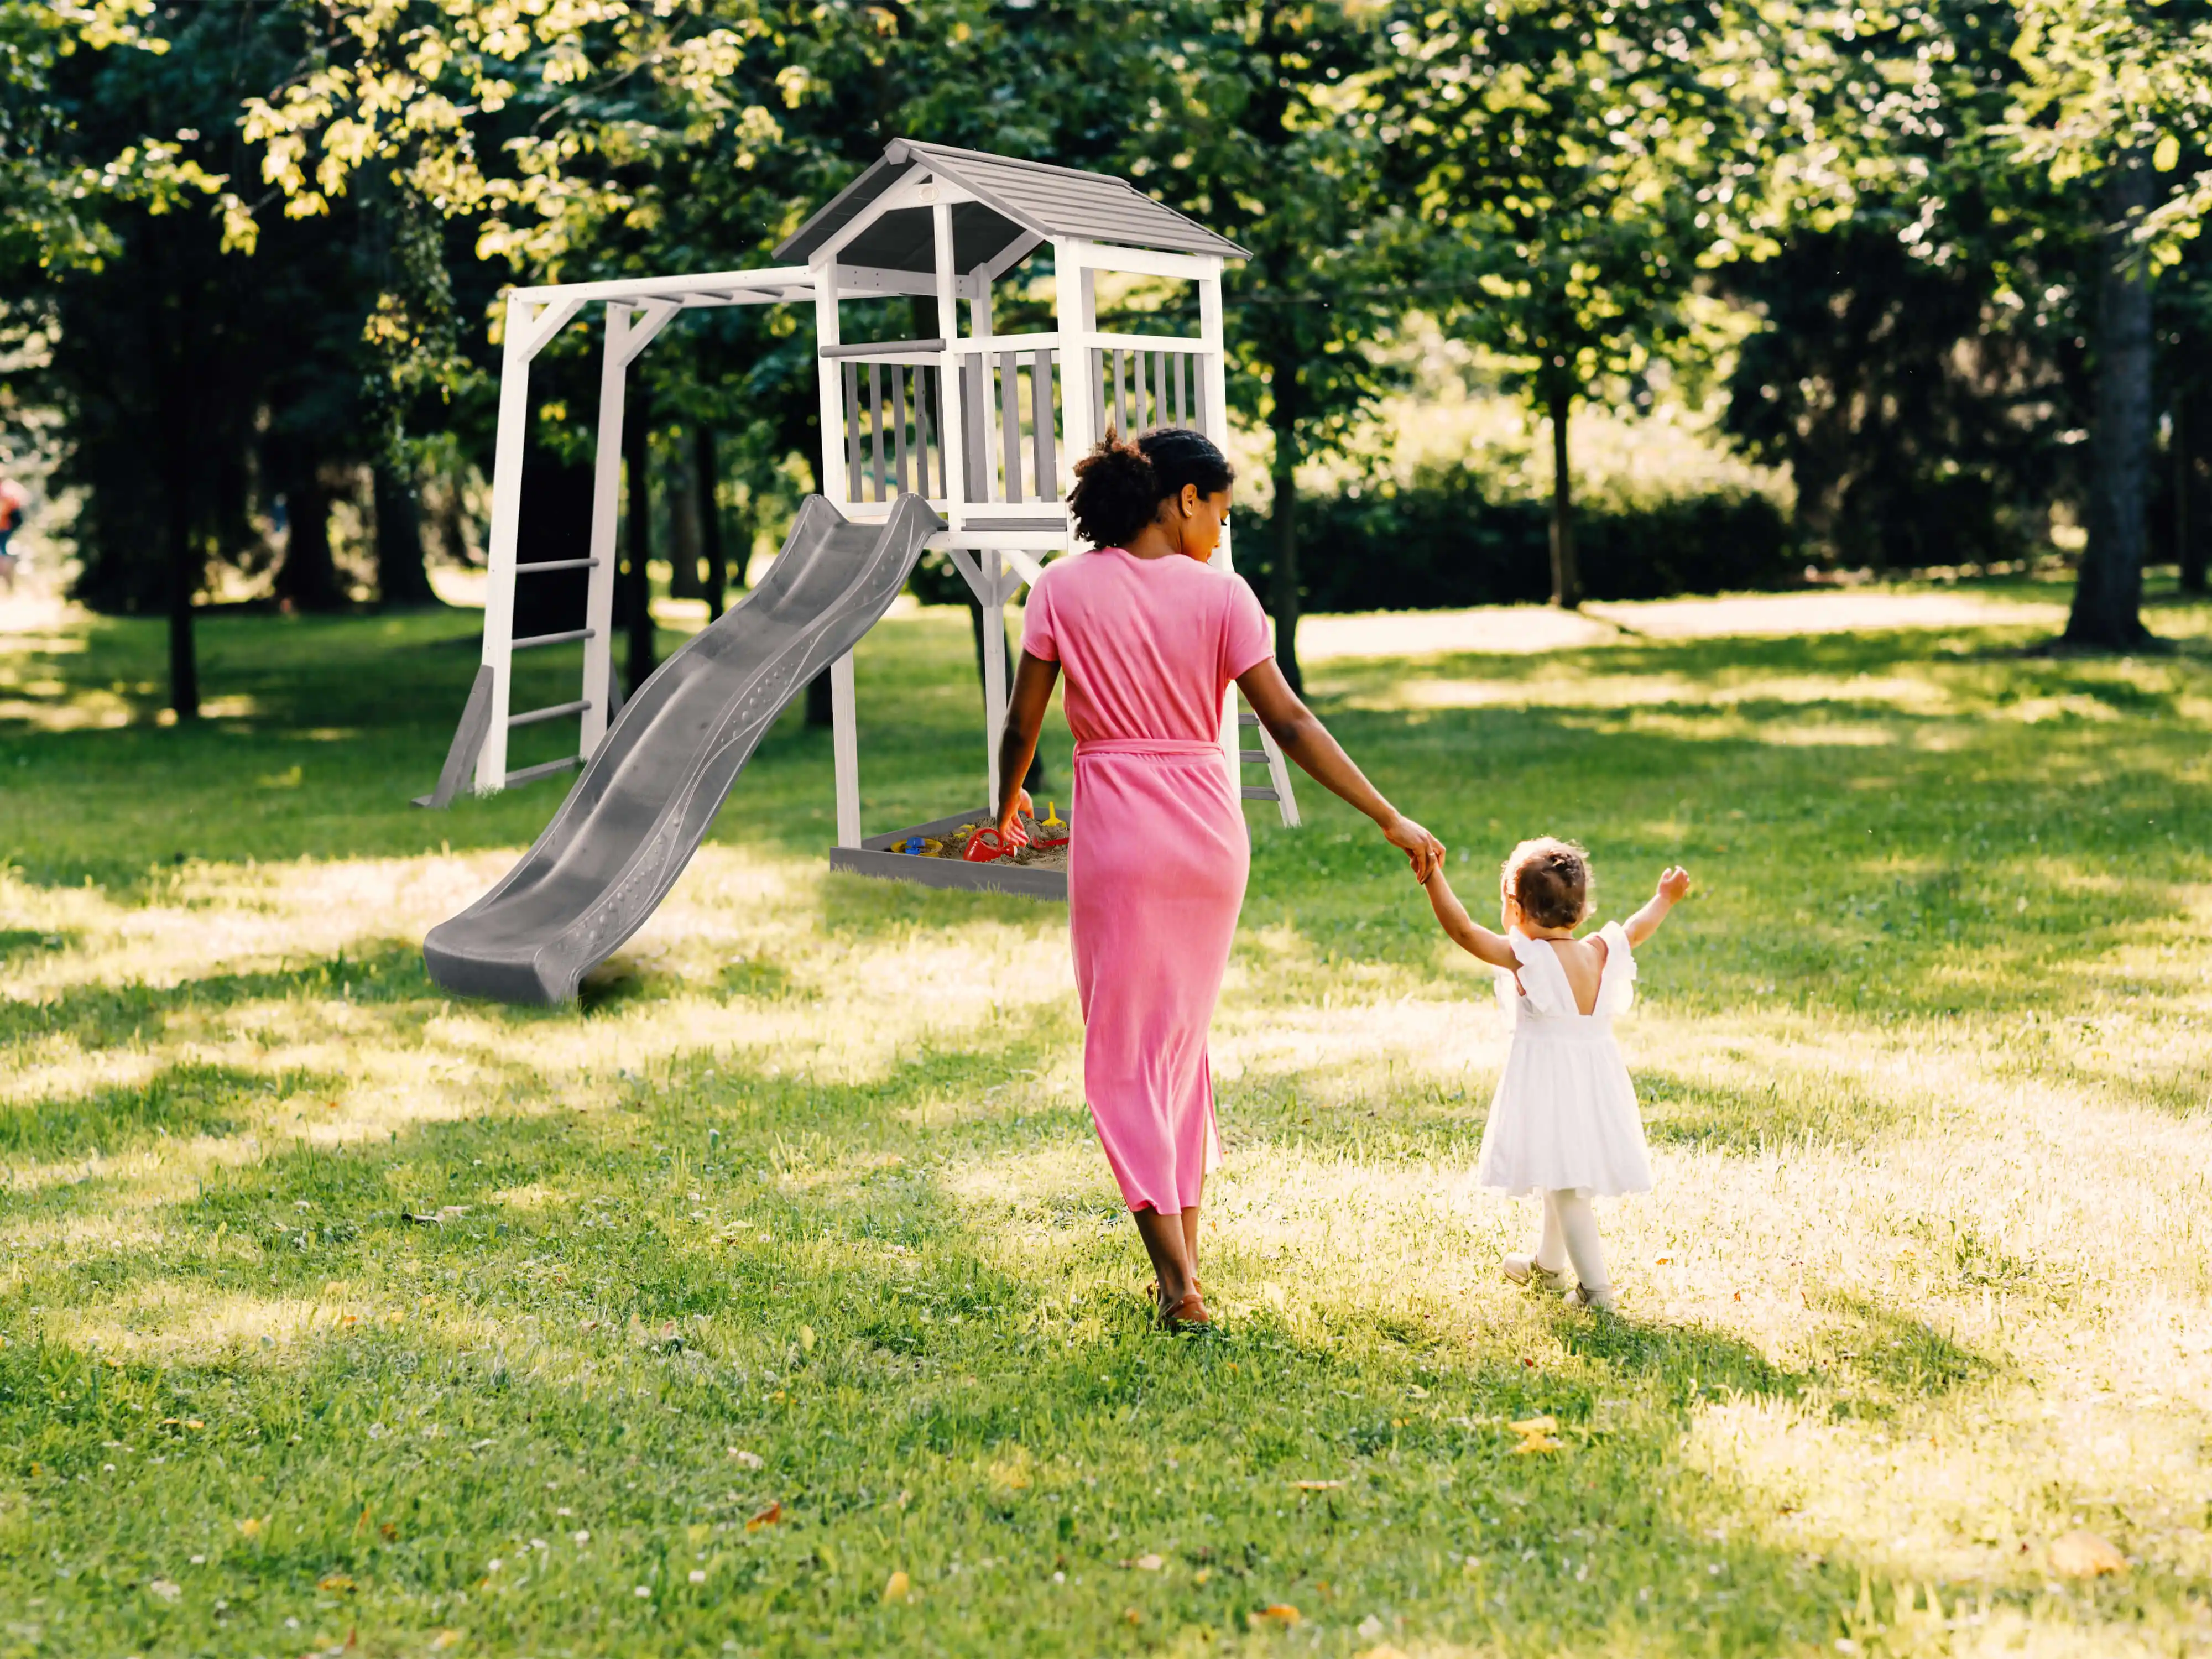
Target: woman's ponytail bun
<point x="1117" y="492"/>
<point x="1120" y="484"/>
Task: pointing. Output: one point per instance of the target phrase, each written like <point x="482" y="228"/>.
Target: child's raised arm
<point x="1673" y="883"/>
<point x="1467" y="933"/>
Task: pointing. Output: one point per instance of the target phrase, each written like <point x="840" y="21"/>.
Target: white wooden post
<point x="1213" y="390"/>
<point x="606" y="496"/>
<point x="826" y="333"/>
<point x="514" y="431"/>
<point x="1074" y="365"/>
<point x="979" y="328"/>
<point x="952" y="416"/>
<point x="844" y="714"/>
<point x="845" y="750"/>
<point x="995" y="666"/>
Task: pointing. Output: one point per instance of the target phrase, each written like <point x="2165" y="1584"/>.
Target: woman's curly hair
<point x="1120" y="484"/>
<point x="1550" y="880"/>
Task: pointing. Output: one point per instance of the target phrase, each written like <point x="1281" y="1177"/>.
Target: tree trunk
<point x="2108" y="594"/>
<point x="401" y="579"/>
<point x="1566" y="575"/>
<point x="637" y="574"/>
<point x="2188" y="525"/>
<point x="679" y="488"/>
<point x="1283" y="519"/>
<point x="184" y="583"/>
<point x="308" y="578"/>
<point x="707" y="474"/>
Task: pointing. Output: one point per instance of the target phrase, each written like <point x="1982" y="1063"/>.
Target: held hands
<point x="1010" y="821"/>
<point x="1674" y="883"/>
<point x="1422" y="850"/>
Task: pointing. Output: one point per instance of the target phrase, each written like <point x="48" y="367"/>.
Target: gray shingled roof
<point x="1013" y="200"/>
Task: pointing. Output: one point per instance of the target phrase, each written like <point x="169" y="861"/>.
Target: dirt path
<point x="1528" y="627"/>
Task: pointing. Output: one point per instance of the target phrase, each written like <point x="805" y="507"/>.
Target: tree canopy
<point x="1954" y="242"/>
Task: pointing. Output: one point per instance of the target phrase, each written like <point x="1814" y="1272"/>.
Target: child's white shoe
<point x="1605" y="1301"/>
<point x="1521" y="1269"/>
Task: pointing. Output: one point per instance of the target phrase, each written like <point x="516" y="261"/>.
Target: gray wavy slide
<point x="633" y="820"/>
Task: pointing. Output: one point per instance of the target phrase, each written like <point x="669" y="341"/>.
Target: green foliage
<point x="1447" y="537"/>
<point x="1575" y="168"/>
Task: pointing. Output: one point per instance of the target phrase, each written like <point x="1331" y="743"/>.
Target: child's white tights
<point x="1570" y="1235"/>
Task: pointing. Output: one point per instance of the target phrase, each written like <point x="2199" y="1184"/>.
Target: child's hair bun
<point x="1549" y="880"/>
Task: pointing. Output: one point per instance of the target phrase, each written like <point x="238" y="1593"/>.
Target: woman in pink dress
<point x="1149" y="639"/>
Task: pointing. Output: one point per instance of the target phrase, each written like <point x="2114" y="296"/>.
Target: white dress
<point x="1565" y="1115"/>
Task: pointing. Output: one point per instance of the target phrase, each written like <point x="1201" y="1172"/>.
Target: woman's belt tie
<point x="1169" y="746"/>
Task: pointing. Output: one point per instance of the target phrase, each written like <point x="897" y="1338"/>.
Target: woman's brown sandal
<point x="1187" y="1314"/>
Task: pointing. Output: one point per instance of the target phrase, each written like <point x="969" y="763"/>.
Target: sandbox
<point x="1035" y="871"/>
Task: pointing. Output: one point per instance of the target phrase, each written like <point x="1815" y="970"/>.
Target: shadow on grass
<point x="177" y="1101"/>
<point x="96" y="1016"/>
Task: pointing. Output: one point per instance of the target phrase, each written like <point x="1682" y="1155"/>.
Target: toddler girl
<point x="1564" y="1123"/>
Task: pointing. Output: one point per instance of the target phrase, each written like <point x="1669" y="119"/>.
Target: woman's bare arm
<point x="1300" y="734"/>
<point x="1025" y="709"/>
<point x="1470" y="935"/>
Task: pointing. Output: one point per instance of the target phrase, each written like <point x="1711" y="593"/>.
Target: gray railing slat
<point x="973" y="386"/>
<point x="1010" y="415"/>
<point x="1120" y="392"/>
<point x="1253" y="757"/>
<point x="852" y="432"/>
<point x="921" y="429"/>
<point x="1174" y="383"/>
<point x="1047" y="458"/>
<point x="898" y="419"/>
<point x="876" y="428"/>
<point x="1251" y="793"/>
<point x="1099" y="389"/>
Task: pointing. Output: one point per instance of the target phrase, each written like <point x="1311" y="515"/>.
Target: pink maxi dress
<point x="1159" y="858"/>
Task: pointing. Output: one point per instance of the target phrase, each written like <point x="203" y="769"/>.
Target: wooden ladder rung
<point x="568" y="638"/>
<point x="1251" y="793"/>
<point x="546" y="770"/>
<point x="1253" y="757"/>
<point x="550" y="712"/>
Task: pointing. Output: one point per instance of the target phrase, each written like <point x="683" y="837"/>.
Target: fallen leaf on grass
<point x="251" y="1525"/>
<point x="2085" y="1555"/>
<point x="767" y="1517"/>
<point x="1535" y="1425"/>
<point x="1316" y="1486"/>
<point x="1280" y="1614"/>
<point x="168" y="1588"/>
<point x="1131" y="1616"/>
<point x="897" y="1586"/>
<point x="750" y="1460"/>
<point x="446" y="1639"/>
<point x="806" y="1338"/>
<point x="336" y="1582"/>
<point x="1145" y="1563"/>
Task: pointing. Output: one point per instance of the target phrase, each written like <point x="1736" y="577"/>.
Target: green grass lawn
<point x="778" y="1300"/>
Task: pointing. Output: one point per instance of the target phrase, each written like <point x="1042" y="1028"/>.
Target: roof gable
<point x="1014" y="199"/>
